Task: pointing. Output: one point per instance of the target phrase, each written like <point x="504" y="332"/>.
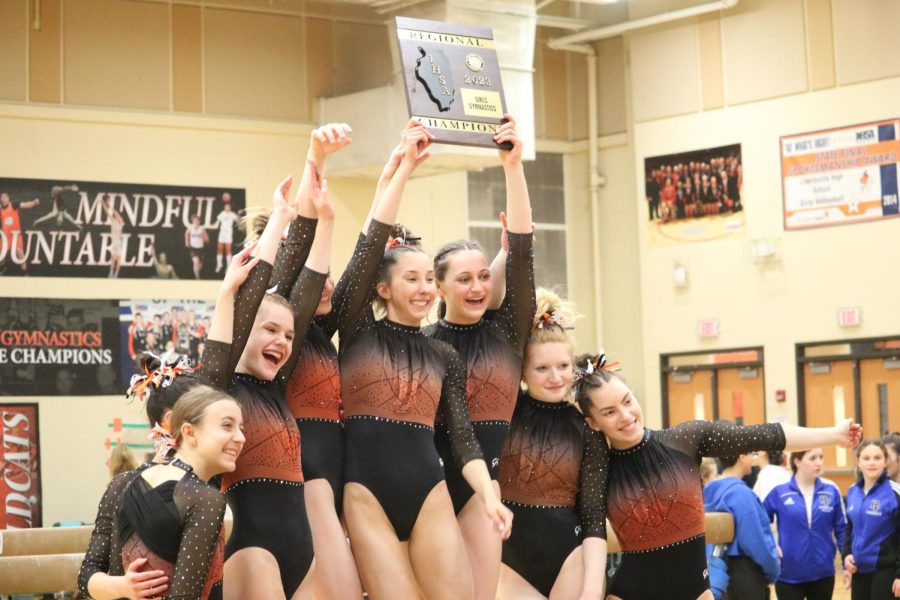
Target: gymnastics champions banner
<point x="64" y="228"/>
<point x="20" y="465"/>
<point x="838" y="176"/>
<point x="51" y="347"/>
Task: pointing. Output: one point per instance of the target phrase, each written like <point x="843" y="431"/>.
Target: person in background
<point x="872" y="542"/>
<point x="771" y="473"/>
<point x="892" y="444"/>
<point x="810" y="519"/>
<point x="121" y="459"/>
<point x="752" y="558"/>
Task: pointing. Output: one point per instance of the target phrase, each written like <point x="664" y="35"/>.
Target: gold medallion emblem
<point x="474" y="62"/>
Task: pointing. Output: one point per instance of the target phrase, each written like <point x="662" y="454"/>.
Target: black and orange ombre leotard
<point x="492" y="351"/>
<point x="394" y="381"/>
<point x="655" y="503"/>
<point x="553" y="477"/>
<point x="265" y="491"/>
<point x="313" y="393"/>
<point x="177" y="526"/>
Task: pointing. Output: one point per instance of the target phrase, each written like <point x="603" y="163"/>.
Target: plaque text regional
<point x="452" y="79"/>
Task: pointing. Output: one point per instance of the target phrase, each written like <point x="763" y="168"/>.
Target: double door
<point x="867" y="389"/>
<point x="734" y="393"/>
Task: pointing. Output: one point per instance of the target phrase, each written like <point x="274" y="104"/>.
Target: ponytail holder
<point x="401" y="241"/>
<point x="551" y="318"/>
<point x="163" y="442"/>
<point x="598" y="363"/>
<point x="171" y="366"/>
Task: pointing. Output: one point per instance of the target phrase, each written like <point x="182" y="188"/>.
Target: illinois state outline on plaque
<point x="433" y="72"/>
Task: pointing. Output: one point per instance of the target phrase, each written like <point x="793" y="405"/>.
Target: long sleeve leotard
<point x="176" y="526"/>
<point x="268" y="476"/>
<point x="394" y="381"/>
<point x="553" y="477"/>
<point x="492" y="350"/>
<point x="655" y="503"/>
<point x="313" y="393"/>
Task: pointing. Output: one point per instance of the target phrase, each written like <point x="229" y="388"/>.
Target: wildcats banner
<point x="839" y="176"/>
<point x="56" y="228"/>
<point x="20" y="464"/>
<point x="59" y="347"/>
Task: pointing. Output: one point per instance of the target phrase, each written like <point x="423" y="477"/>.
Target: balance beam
<point x="48" y="559"/>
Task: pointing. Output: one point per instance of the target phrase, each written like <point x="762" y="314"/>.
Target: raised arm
<point x="307" y="292"/>
<point x="518" y="204"/>
<point x="357" y="280"/>
<point x="216" y="353"/>
<point x="293" y="251"/>
<point x="250" y="295"/>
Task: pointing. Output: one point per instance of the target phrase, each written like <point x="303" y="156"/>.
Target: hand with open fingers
<point x="850" y="564"/>
<point x="322" y="202"/>
<point x="239" y="268"/>
<point x="509" y="133"/>
<point x="850" y="433"/>
<point x="140" y="584"/>
<point x="280" y="202"/>
<point x="328" y="139"/>
<point x="501" y="516"/>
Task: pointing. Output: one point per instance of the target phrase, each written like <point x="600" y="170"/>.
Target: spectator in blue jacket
<point x="811" y="522"/>
<point x="752" y="557"/>
<point x="872" y="543"/>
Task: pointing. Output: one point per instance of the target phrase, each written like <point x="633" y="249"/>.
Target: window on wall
<point x="487" y="198"/>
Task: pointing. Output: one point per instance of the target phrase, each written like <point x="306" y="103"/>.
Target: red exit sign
<point x="707" y="328"/>
<point x="850" y="317"/>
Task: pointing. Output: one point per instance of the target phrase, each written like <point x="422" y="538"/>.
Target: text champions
<point x="53" y="348"/>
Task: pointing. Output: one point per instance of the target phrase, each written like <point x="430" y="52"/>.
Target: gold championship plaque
<point x="452" y="79"/>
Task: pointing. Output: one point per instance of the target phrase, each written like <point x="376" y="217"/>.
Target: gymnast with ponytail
<point x="105" y="571"/>
<point x="552" y="474"/>
<point x="269" y="553"/>
<point x="491" y="344"/>
<point x="394" y="382"/>
<point x="654" y="496"/>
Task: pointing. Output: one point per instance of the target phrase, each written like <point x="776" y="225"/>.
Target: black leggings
<point x="872" y="586"/>
<point x="821" y="589"/>
<point x="745" y="580"/>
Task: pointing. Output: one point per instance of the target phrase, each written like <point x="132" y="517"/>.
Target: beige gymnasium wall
<point x="139" y="148"/>
<point x="205" y="97"/>
<point x="787" y="66"/>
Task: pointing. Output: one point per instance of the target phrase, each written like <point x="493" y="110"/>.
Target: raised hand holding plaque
<point x="452" y="79"/>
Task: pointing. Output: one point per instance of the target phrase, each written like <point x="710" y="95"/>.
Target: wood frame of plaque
<point x="452" y="79"/>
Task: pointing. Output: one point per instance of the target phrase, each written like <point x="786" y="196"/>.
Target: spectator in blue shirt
<point x="811" y="520"/>
<point x="752" y="558"/>
<point x="872" y="543"/>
